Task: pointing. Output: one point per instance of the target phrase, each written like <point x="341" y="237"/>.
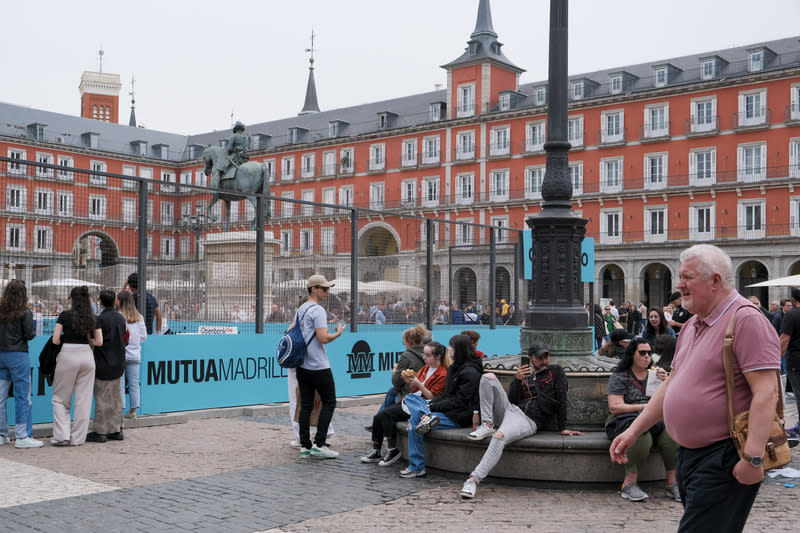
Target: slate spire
<point x="310" y="105"/>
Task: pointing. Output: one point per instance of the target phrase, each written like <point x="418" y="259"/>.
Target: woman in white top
<point x="137" y="334"/>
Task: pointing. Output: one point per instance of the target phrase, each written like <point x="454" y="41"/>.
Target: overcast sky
<point x="197" y="62"/>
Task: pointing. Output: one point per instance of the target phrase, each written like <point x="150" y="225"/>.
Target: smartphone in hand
<point x="526" y="360"/>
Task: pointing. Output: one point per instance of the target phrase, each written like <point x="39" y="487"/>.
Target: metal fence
<point x="66" y="226"/>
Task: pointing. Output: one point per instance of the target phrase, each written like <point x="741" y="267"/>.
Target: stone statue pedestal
<point x="231" y="273"/>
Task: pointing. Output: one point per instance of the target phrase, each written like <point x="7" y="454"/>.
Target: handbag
<point x="776" y="452"/>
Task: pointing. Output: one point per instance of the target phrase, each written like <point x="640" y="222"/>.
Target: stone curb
<point x="181" y="417"/>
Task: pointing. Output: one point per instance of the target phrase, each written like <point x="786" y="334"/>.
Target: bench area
<point x="546" y="456"/>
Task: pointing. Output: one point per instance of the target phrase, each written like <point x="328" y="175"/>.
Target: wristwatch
<point x="755" y="460"/>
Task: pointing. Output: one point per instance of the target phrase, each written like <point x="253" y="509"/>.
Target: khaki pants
<point x="74" y="375"/>
<point x="107" y="407"/>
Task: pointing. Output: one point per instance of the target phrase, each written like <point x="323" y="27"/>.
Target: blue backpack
<point x="292" y="347"/>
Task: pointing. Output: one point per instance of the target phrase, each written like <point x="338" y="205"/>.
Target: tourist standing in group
<point x="454" y="408"/>
<point x="790" y="349"/>
<point x="16" y="329"/>
<point x="109" y="362"/>
<point x="634" y="320"/>
<point x="717" y="486"/>
<point x="656" y="325"/>
<point x="599" y="323"/>
<point x="679" y="313"/>
<point x="152" y="313"/>
<point x="137" y="334"/>
<point x="75" y="331"/>
<point x="314" y="375"/>
<point x="536" y="393"/>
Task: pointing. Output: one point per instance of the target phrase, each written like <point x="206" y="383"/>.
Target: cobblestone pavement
<point x="239" y="475"/>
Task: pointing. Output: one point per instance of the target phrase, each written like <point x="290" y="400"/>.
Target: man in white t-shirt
<point x="314" y="375"/>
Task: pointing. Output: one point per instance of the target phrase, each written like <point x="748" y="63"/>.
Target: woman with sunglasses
<point x="627" y="397"/>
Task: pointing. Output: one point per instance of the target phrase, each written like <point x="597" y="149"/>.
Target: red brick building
<point x="665" y="154"/>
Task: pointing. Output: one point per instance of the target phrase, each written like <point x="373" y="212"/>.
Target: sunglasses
<point x="321" y="287"/>
<point x="645" y="352"/>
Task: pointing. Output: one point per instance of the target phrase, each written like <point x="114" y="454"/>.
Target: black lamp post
<point x="557" y="315"/>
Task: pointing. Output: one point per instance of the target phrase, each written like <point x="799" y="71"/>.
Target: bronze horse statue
<point x="250" y="178"/>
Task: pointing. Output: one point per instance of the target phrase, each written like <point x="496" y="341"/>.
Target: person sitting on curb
<point x="428" y="382"/>
<point x="534" y="395"/>
<point x="452" y="409"/>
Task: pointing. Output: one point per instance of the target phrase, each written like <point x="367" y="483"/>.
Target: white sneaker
<point x="295" y="444"/>
<point x="469" y="489"/>
<point x="4" y="440"/>
<point x="323" y="452"/>
<point x="28" y="442"/>
<point x="481" y="433"/>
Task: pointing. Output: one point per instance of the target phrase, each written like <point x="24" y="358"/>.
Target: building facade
<point x="702" y="148"/>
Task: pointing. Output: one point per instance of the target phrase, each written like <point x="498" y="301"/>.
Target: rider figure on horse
<point x="237" y="147"/>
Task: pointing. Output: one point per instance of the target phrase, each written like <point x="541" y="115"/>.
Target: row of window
<point x="751" y="222"/>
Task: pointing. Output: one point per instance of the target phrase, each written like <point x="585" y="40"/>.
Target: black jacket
<point x="109" y="359"/>
<point x="542" y="395"/>
<point x="460" y="397"/>
<point x="14" y="335"/>
<point x="411" y="358"/>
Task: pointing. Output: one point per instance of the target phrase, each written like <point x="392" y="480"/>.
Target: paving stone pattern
<point x="239" y="475"/>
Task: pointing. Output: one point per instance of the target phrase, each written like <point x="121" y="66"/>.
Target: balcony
<point x="614" y="137"/>
<point x="702" y="125"/>
<point x="755" y="119"/>
<point x="654" y="131"/>
<point x="532" y="145"/>
<point x="500" y="149"/>
<point x="409" y="160"/>
<point x="793" y="113"/>
<point x="464" y="154"/>
<point x="431" y="157"/>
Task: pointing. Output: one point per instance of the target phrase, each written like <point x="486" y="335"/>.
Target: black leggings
<point x="310" y="381"/>
<point x="384" y="424"/>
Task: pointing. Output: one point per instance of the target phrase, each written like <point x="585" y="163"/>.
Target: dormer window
<point x="333" y="129"/>
<point x="707" y="69"/>
<point x="295" y="135"/>
<point x="756" y="60"/>
<point x="577" y="90"/>
<point x="382" y="121"/>
<point x="505" y="102"/>
<point x="435" y="112"/>
<point x="161" y="151"/>
<point x="616" y="84"/>
<point x="139" y="147"/>
<point x="661" y="76"/>
<point x="92" y="140"/>
<point x="36" y="131"/>
<point x="386" y="120"/>
<point x="539" y="95"/>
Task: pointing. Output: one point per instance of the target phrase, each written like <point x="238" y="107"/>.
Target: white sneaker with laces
<point x="295" y="444"/>
<point x="4" y="440"/>
<point x="481" y="433"/>
<point x="469" y="489"/>
<point x="323" y="452"/>
<point x="28" y="442"/>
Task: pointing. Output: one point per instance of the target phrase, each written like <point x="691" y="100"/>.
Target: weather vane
<point x="100" y="53"/>
<point x="311" y="50"/>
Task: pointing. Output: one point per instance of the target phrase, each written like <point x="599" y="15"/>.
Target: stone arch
<point x="379" y="244"/>
<point x="751" y="272"/>
<point x="85" y="252"/>
<point x="465" y="286"/>
<point x="794" y="269"/>
<point x="656" y="284"/>
<point x="612" y="283"/>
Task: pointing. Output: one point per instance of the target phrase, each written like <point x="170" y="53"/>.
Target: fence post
<point x="141" y="261"/>
<point x="450" y="282"/>
<point x="429" y="236"/>
<point x="353" y="270"/>
<point x="492" y="280"/>
<point x="259" y="264"/>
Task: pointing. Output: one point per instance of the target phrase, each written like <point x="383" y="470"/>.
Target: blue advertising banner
<point x="587" y="260"/>
<point x="187" y="372"/>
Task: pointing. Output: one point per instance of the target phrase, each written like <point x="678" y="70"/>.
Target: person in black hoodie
<point x="452" y="409"/>
<point x="109" y="360"/>
<point x="537" y="393"/>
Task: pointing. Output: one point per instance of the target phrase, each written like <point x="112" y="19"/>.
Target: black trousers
<point x="712" y="498"/>
<point x="309" y="382"/>
<point x="384" y="425"/>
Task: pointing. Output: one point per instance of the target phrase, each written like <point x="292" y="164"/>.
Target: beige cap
<point x="318" y="280"/>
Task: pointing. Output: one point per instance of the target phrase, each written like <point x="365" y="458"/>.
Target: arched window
<point x="94" y="112"/>
<point x="108" y="114"/>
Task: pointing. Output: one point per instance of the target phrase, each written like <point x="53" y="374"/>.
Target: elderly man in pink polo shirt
<point x="717" y="487"/>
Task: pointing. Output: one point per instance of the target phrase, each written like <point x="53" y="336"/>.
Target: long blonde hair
<point x="127" y="307"/>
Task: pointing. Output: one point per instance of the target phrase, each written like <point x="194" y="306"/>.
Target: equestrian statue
<point x="230" y="170"/>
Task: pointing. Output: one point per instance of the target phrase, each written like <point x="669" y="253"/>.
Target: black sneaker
<point x="426" y="423"/>
<point x="372" y="457"/>
<point x="96" y="437"/>
<point x="115" y="436"/>
<point x="391" y="457"/>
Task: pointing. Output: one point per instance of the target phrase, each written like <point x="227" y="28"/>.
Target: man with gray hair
<point x="717" y="487"/>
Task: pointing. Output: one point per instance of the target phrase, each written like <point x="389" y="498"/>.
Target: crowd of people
<point x="97" y="358"/>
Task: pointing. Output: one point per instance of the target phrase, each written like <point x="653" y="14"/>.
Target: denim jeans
<point x="390" y="399"/>
<point x="418" y="406"/>
<point x="15" y="367"/>
<point x="130" y="378"/>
